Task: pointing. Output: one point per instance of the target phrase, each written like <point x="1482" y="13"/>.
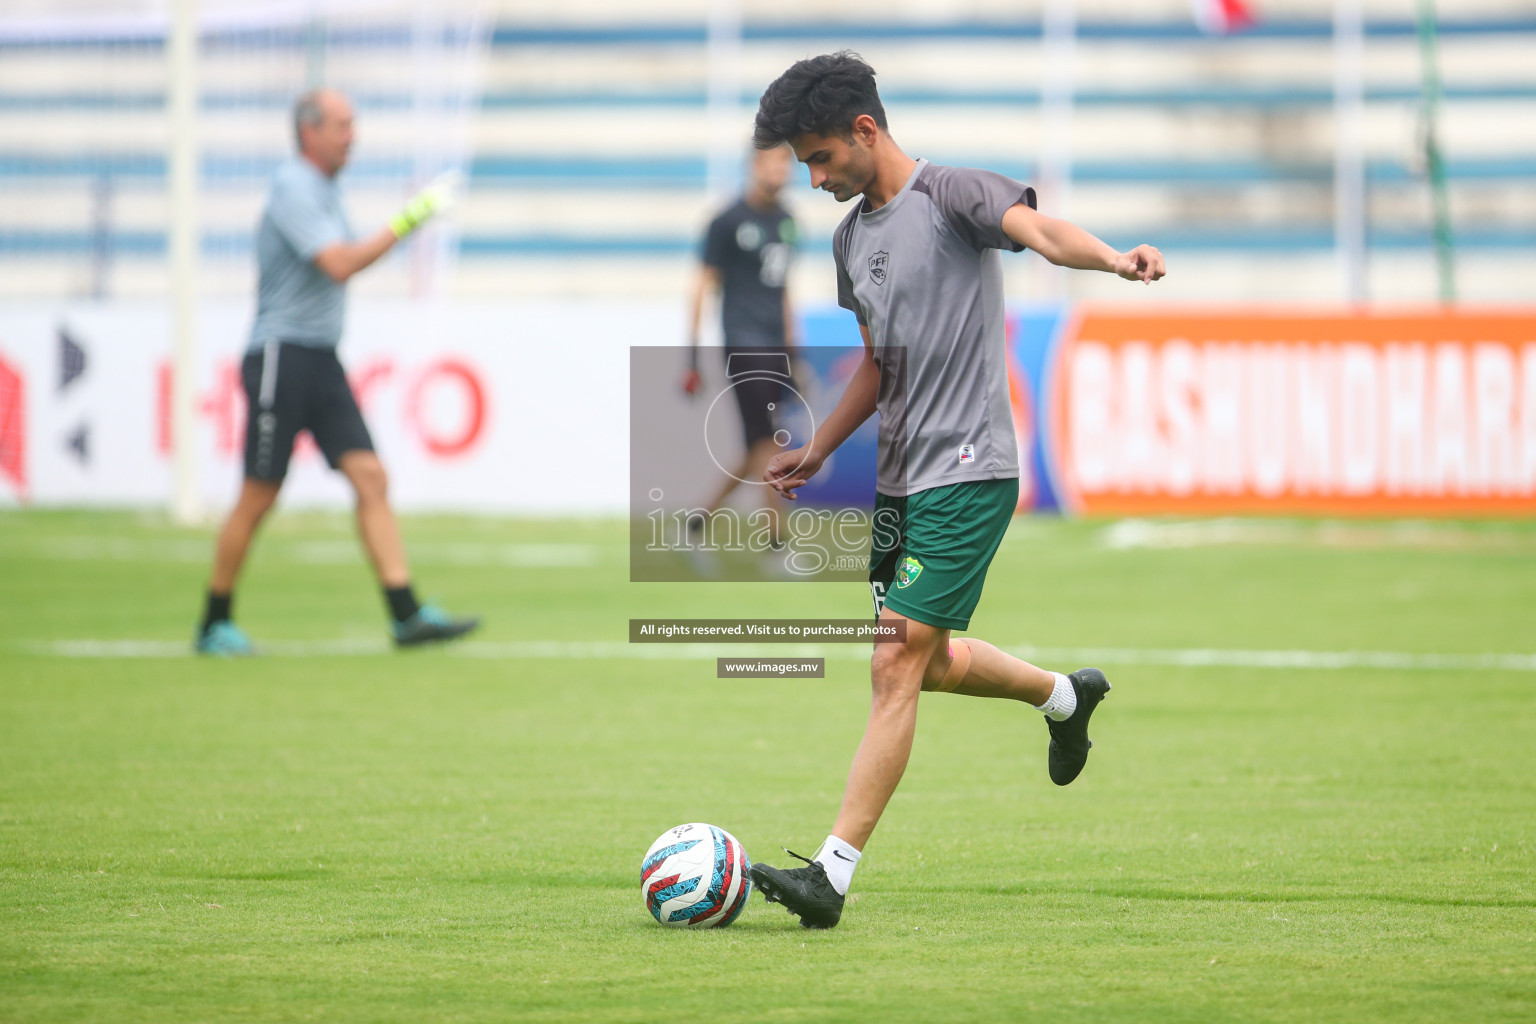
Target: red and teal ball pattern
<point x="695" y="876"/>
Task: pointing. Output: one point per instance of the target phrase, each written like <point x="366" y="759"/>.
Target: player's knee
<point x="370" y="481"/>
<point x="257" y="498"/>
<point x="377" y="484"/>
<point x="893" y="674"/>
<point x="948" y="667"/>
<point x="264" y="505"/>
<point x="886" y="660"/>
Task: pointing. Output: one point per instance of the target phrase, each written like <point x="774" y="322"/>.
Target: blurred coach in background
<point x="293" y="380"/>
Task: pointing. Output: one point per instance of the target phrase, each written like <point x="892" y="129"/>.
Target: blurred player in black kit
<point x="745" y="260"/>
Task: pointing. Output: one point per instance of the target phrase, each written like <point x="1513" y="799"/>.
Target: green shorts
<point x="929" y="552"/>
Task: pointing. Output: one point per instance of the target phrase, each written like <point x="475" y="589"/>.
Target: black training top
<point x="752" y="250"/>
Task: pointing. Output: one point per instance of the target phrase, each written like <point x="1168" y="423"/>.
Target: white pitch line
<point x="313" y="552"/>
<point x="1127" y="534"/>
<point x="1206" y="657"/>
<point x="512" y="650"/>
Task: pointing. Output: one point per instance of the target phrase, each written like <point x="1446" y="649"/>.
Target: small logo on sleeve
<point x="967" y="453"/>
<point x="878" y="264"/>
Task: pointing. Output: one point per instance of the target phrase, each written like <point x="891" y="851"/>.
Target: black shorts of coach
<point x="289" y="388"/>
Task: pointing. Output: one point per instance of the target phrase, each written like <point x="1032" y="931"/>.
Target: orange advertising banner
<point x="1368" y="415"/>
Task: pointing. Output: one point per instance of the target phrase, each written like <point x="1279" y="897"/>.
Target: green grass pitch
<point x="351" y="834"/>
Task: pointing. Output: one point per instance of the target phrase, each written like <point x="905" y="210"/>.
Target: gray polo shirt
<point x="924" y="274"/>
<point x="295" y="300"/>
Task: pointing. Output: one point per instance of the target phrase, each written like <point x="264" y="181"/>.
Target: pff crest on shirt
<point x="878" y="263"/>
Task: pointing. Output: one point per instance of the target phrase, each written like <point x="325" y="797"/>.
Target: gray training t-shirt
<point x="295" y="300"/>
<point x="923" y="273"/>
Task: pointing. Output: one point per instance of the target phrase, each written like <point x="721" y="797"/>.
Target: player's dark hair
<point x="817" y="96"/>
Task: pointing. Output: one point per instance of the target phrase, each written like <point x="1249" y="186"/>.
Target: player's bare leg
<point x="256" y="499"/>
<point x="413" y="622"/>
<point x="376" y="523"/>
<point x="992" y="673"/>
<point x="929" y="660"/>
<point x="974" y="668"/>
<point x="218" y="634"/>
<point x="897" y="673"/>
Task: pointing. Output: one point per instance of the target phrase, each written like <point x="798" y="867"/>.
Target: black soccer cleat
<point x="1069" y="739"/>
<point x="804" y="892"/>
<point x="430" y="624"/>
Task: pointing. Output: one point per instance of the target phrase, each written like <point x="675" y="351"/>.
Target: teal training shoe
<point x="223" y="639"/>
<point x="431" y="624"/>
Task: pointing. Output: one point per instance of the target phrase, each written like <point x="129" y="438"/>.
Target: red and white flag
<point x="1222" y="17"/>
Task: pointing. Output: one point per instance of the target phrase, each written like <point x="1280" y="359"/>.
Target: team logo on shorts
<point x="877" y="265"/>
<point x="910" y="570"/>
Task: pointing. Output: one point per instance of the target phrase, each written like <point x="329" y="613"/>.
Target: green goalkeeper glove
<point x="438" y="197"/>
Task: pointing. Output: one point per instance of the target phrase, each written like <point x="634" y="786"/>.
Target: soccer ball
<point x="695" y="876"/>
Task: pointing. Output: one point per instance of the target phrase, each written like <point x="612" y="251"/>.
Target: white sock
<point x="1062" y="701"/>
<point x="838" y="859"/>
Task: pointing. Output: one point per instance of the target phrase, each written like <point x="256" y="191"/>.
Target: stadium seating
<point x="589" y="146"/>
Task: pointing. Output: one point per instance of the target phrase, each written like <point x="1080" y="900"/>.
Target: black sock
<point x="217" y="609"/>
<point x="402" y="602"/>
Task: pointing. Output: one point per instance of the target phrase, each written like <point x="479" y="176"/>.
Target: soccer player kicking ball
<point x="917" y="263"/>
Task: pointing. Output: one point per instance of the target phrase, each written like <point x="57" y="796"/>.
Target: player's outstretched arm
<point x="789" y="470"/>
<point x="343" y="259"/>
<point x="1067" y="245"/>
